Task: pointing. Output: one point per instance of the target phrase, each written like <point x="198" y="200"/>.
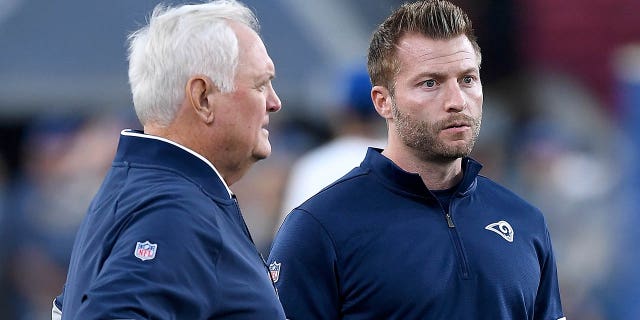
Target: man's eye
<point x="429" y="83"/>
<point x="467" y="79"/>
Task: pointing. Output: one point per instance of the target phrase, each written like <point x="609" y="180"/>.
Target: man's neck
<point x="435" y="175"/>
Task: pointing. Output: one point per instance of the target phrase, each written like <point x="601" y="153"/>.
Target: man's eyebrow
<point x="440" y="75"/>
<point x="470" y="70"/>
<point x="265" y="77"/>
<point x="431" y="75"/>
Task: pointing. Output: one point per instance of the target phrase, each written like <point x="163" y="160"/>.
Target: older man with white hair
<point x="164" y="237"/>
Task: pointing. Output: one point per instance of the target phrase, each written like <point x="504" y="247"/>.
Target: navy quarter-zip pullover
<point x="377" y="244"/>
<point x="164" y="239"/>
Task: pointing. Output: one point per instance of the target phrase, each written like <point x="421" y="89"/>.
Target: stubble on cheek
<point x="426" y="140"/>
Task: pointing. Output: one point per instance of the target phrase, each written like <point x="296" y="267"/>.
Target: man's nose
<point x="455" y="99"/>
<point x="273" y="101"/>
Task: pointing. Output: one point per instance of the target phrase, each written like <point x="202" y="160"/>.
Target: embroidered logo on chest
<point x="502" y="228"/>
<point x="274" y="270"/>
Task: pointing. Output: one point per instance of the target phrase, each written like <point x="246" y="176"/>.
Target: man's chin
<point x="262" y="153"/>
<point x="449" y="154"/>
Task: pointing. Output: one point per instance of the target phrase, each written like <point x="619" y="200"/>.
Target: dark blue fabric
<point x="206" y="266"/>
<point x="376" y="245"/>
<point x="444" y="196"/>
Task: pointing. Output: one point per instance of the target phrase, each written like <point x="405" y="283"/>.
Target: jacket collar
<point x="397" y="178"/>
<point x="136" y="147"/>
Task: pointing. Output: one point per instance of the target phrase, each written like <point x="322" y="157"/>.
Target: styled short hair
<point x="177" y="43"/>
<point x="435" y="19"/>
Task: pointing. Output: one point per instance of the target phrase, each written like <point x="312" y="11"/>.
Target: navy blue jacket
<point x="377" y="244"/>
<point x="164" y="239"/>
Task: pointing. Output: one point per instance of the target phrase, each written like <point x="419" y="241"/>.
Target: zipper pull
<point x="449" y="221"/>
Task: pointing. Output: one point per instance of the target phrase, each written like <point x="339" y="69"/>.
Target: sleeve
<point x="548" y="305"/>
<point x="303" y="264"/>
<point x="174" y="278"/>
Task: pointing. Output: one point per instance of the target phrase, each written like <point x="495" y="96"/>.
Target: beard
<point x="423" y="136"/>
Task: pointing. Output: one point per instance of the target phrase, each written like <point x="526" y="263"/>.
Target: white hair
<point x="178" y="43"/>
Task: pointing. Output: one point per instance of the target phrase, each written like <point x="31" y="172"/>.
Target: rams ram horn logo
<point x="502" y="228"/>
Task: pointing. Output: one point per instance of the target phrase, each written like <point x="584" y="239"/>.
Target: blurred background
<point x="562" y="101"/>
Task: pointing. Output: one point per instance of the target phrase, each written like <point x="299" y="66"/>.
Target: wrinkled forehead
<point x="248" y="39"/>
<point x="253" y="56"/>
<point x="415" y="48"/>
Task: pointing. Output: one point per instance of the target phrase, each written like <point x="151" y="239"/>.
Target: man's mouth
<point x="457" y="125"/>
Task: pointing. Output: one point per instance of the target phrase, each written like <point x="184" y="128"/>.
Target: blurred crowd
<point x="562" y="103"/>
<point x="567" y="155"/>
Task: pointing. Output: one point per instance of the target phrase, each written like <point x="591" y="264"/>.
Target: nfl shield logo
<point x="145" y="250"/>
<point x="274" y="270"/>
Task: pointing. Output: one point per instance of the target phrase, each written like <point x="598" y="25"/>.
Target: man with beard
<point x="415" y="232"/>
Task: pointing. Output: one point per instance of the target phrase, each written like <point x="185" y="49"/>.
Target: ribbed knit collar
<point x="394" y="176"/>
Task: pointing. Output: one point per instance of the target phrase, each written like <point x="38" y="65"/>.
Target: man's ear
<point x="200" y="90"/>
<point x="382" y="101"/>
